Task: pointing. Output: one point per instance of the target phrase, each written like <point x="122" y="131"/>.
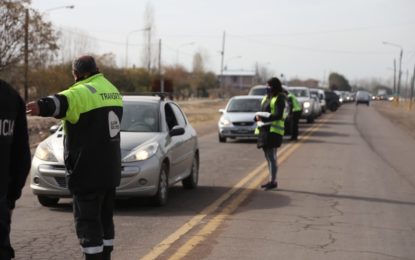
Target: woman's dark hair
<point x="275" y="84"/>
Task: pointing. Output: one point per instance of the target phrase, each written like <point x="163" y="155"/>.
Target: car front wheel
<point x="191" y="181"/>
<point x="222" y="139"/>
<point x="47" y="201"/>
<point x="160" y="198"/>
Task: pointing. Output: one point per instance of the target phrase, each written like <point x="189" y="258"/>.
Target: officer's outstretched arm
<point x="53" y="106"/>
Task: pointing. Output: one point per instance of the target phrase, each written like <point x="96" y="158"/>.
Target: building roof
<point x="238" y="73"/>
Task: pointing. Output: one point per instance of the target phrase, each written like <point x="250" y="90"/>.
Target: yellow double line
<point x="257" y="176"/>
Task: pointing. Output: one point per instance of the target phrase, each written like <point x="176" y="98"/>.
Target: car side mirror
<point x="221" y="110"/>
<point x="176" y="130"/>
<point x="53" y="129"/>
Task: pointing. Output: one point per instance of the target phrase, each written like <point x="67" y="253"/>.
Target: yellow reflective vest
<point x="277" y="126"/>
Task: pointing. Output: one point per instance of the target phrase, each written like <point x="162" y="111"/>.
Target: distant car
<point x="320" y="94"/>
<point x="363" y="97"/>
<point x="159" y="147"/>
<point x="332" y="100"/>
<point x="310" y="106"/>
<point x="258" y="90"/>
<point x="238" y="118"/>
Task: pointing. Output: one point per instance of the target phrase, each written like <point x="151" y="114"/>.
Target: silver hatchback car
<point x="159" y="148"/>
<point x="238" y="118"/>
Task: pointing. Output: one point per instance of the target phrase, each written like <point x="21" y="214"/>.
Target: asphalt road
<point x="346" y="191"/>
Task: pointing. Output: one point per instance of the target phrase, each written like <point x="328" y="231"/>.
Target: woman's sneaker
<point x="271" y="185"/>
<point x="265" y="185"/>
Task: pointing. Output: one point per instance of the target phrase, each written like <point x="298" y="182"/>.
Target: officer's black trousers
<point x="6" y="251"/>
<point x="295" y="119"/>
<point x="94" y="224"/>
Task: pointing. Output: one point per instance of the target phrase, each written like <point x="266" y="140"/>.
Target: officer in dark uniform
<point x="14" y="160"/>
<point x="91" y="110"/>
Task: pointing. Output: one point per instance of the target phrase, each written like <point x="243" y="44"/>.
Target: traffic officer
<point x="14" y="160"/>
<point x="91" y="110"/>
<point x="270" y="128"/>
<point x="296" y="114"/>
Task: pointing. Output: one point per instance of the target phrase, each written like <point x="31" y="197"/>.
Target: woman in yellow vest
<point x="270" y="130"/>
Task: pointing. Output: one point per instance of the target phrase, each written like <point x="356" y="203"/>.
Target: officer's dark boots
<point x="106" y="255"/>
<point x="93" y="256"/>
<point x="5" y="254"/>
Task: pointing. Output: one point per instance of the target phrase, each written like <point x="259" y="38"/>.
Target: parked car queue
<point x="237" y="118"/>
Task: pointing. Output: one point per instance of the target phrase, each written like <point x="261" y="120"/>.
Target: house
<point x="237" y="80"/>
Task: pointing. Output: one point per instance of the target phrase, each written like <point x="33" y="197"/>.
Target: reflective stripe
<point x="108" y="242"/>
<point x="57" y="105"/>
<point x="93" y="249"/>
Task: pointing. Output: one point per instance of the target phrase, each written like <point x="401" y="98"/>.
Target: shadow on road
<point x="351" y="197"/>
<point x="184" y="202"/>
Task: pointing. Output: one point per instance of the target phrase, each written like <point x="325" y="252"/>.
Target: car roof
<point x="297" y="87"/>
<point x="141" y="98"/>
<point x="247" y="97"/>
<point x="258" y="86"/>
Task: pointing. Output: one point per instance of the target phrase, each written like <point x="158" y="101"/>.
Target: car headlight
<point x="44" y="152"/>
<point x="224" y="122"/>
<point x="306" y="104"/>
<point x="143" y="153"/>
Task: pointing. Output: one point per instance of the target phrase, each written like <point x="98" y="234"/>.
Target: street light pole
<point x="222" y="53"/>
<point x="400" y="68"/>
<point x="126" y="43"/>
<point x="59" y="7"/>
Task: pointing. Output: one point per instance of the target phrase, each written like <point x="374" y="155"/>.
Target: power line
<point x="311" y="49"/>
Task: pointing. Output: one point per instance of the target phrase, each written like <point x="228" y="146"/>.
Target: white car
<point x="238" y="118"/>
<point x="321" y="96"/>
<point x="363" y="97"/>
<point x="310" y="105"/>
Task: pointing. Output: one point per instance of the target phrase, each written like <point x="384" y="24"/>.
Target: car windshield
<point x="244" y="105"/>
<point x="140" y="117"/>
<point x="258" y="91"/>
<point x="300" y="92"/>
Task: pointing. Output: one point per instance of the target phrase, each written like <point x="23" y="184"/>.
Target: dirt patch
<point x="39" y="128"/>
<point x="400" y="114"/>
<point x="203" y="114"/>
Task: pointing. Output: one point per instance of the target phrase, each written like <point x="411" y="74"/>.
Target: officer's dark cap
<point x="85" y="64"/>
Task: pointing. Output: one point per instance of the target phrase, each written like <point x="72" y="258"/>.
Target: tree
<point x="73" y="43"/>
<point x="41" y="37"/>
<point x="339" y="82"/>
<point x="148" y="58"/>
<point x="181" y="80"/>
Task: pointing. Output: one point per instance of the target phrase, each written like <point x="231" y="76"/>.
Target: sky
<point x="298" y="38"/>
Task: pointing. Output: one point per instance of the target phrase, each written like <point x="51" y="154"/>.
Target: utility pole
<point x="149" y="49"/>
<point x="223" y="56"/>
<point x="160" y="70"/>
<point x="394" y="77"/>
<point x="400" y="73"/>
<point x="412" y="90"/>
<point x="26" y="57"/>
